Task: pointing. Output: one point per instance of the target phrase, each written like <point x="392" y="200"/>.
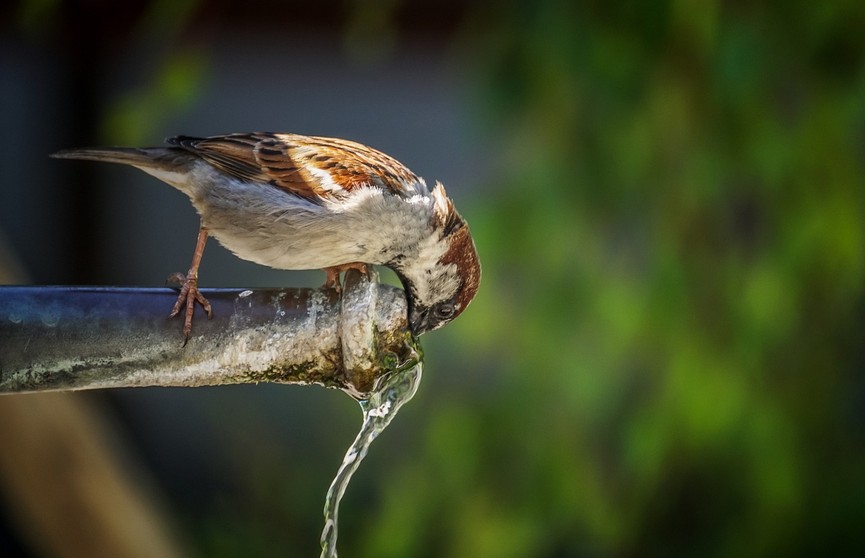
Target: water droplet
<point x="51" y="317"/>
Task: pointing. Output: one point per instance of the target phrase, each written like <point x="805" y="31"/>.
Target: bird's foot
<point x="332" y="281"/>
<point x="189" y="295"/>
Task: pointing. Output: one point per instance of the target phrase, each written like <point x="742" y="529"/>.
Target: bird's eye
<point x="445" y="311"/>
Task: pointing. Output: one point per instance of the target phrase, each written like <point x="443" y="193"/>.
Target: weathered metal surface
<point x="68" y="338"/>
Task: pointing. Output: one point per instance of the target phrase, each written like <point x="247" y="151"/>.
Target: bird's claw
<point x="189" y="295"/>
<point x="332" y="280"/>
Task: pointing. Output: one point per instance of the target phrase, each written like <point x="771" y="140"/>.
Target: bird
<point x="291" y="201"/>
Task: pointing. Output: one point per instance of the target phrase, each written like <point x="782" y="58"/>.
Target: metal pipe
<point x="70" y="338"/>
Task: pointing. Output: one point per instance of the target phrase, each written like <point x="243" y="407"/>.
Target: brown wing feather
<point x="311" y="167"/>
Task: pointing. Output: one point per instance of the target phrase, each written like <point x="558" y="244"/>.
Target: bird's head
<point x="444" y="277"/>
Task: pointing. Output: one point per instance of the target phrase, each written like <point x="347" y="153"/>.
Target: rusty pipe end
<point x="374" y="333"/>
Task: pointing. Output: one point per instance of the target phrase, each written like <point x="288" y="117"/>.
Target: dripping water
<point x="379" y="409"/>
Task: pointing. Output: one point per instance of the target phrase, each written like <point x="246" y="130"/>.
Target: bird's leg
<point x="189" y="293"/>
<point x="332" y="280"/>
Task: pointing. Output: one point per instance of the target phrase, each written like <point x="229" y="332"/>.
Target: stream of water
<point x="379" y="410"/>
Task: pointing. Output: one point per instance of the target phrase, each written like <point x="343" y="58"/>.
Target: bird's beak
<point x="418" y="321"/>
<point x="418" y="315"/>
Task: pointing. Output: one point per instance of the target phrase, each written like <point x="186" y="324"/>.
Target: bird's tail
<point x="169" y="164"/>
<point x="165" y="158"/>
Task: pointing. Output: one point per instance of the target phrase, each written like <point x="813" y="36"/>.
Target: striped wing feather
<point x="311" y="167"/>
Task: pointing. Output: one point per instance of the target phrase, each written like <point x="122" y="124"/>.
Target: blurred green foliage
<point x="138" y="115"/>
<point x="666" y="354"/>
<point x="671" y="316"/>
<point x="141" y="113"/>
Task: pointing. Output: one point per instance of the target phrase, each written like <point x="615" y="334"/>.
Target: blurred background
<point x="666" y="355"/>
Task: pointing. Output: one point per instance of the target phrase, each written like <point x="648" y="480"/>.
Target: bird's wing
<point x="315" y="168"/>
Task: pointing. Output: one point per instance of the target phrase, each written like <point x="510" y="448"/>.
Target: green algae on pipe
<point x="70" y="338"/>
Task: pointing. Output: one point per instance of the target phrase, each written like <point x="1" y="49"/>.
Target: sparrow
<point x="290" y="201"/>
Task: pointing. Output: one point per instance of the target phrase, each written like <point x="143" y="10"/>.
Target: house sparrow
<point x="300" y="202"/>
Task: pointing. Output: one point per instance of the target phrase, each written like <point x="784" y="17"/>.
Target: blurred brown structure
<point x="67" y="478"/>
